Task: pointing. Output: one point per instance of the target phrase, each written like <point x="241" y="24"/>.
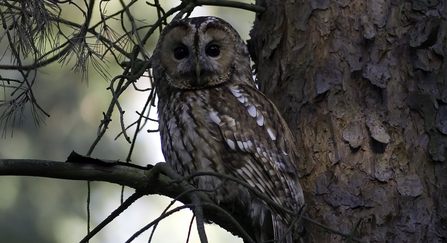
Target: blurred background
<point x="54" y="211"/>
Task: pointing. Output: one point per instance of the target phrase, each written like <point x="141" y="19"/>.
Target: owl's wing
<point x="260" y="147"/>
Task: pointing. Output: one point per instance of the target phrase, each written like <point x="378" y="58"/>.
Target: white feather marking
<point x="249" y="144"/>
<point x="252" y="110"/>
<point x="231" y="122"/>
<point x="235" y="92"/>
<point x="280" y="165"/>
<point x="272" y="136"/>
<point x="240" y="145"/>
<point x="214" y="117"/>
<point x="254" y="172"/>
<point x="241" y="99"/>
<point x="251" y="183"/>
<point x="231" y="144"/>
<point x="245" y="146"/>
<point x="260" y="119"/>
<point x="246" y="171"/>
<point x="285" y="153"/>
<point x="249" y="168"/>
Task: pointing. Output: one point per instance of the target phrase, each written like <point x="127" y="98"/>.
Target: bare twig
<point x="112" y="216"/>
<point x="231" y="4"/>
<point x="157" y="220"/>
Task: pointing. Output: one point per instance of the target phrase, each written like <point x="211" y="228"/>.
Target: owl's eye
<point x="181" y="52"/>
<point x="212" y="50"/>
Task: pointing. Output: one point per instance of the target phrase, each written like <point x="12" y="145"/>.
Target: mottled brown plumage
<point x="212" y="118"/>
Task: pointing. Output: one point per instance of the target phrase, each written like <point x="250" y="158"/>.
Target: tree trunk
<point x="362" y="86"/>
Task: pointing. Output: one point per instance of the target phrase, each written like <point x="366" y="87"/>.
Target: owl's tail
<point x="269" y="227"/>
<point x="284" y="234"/>
<point x="281" y="231"/>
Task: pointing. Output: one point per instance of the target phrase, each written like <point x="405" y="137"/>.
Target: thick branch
<point x="118" y="174"/>
<point x="156" y="179"/>
<point x="232" y="4"/>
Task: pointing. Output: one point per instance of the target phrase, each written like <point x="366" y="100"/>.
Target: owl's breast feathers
<point x="235" y="130"/>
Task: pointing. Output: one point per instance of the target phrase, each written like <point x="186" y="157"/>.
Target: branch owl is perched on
<point x="213" y="119"/>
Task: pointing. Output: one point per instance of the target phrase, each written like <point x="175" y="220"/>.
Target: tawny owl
<point x="213" y="119"/>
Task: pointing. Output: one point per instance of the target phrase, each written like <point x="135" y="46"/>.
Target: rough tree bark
<point x="362" y="85"/>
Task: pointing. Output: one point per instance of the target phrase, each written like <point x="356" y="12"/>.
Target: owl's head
<point x="199" y="53"/>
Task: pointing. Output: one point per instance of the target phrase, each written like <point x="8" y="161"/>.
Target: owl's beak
<point x="198" y="73"/>
<point x="198" y="70"/>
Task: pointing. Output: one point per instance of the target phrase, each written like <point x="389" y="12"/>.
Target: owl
<point x="212" y="118"/>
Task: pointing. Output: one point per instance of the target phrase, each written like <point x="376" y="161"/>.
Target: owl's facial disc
<point x="198" y="54"/>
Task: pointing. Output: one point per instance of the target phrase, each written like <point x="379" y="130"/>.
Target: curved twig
<point x="112" y="216"/>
